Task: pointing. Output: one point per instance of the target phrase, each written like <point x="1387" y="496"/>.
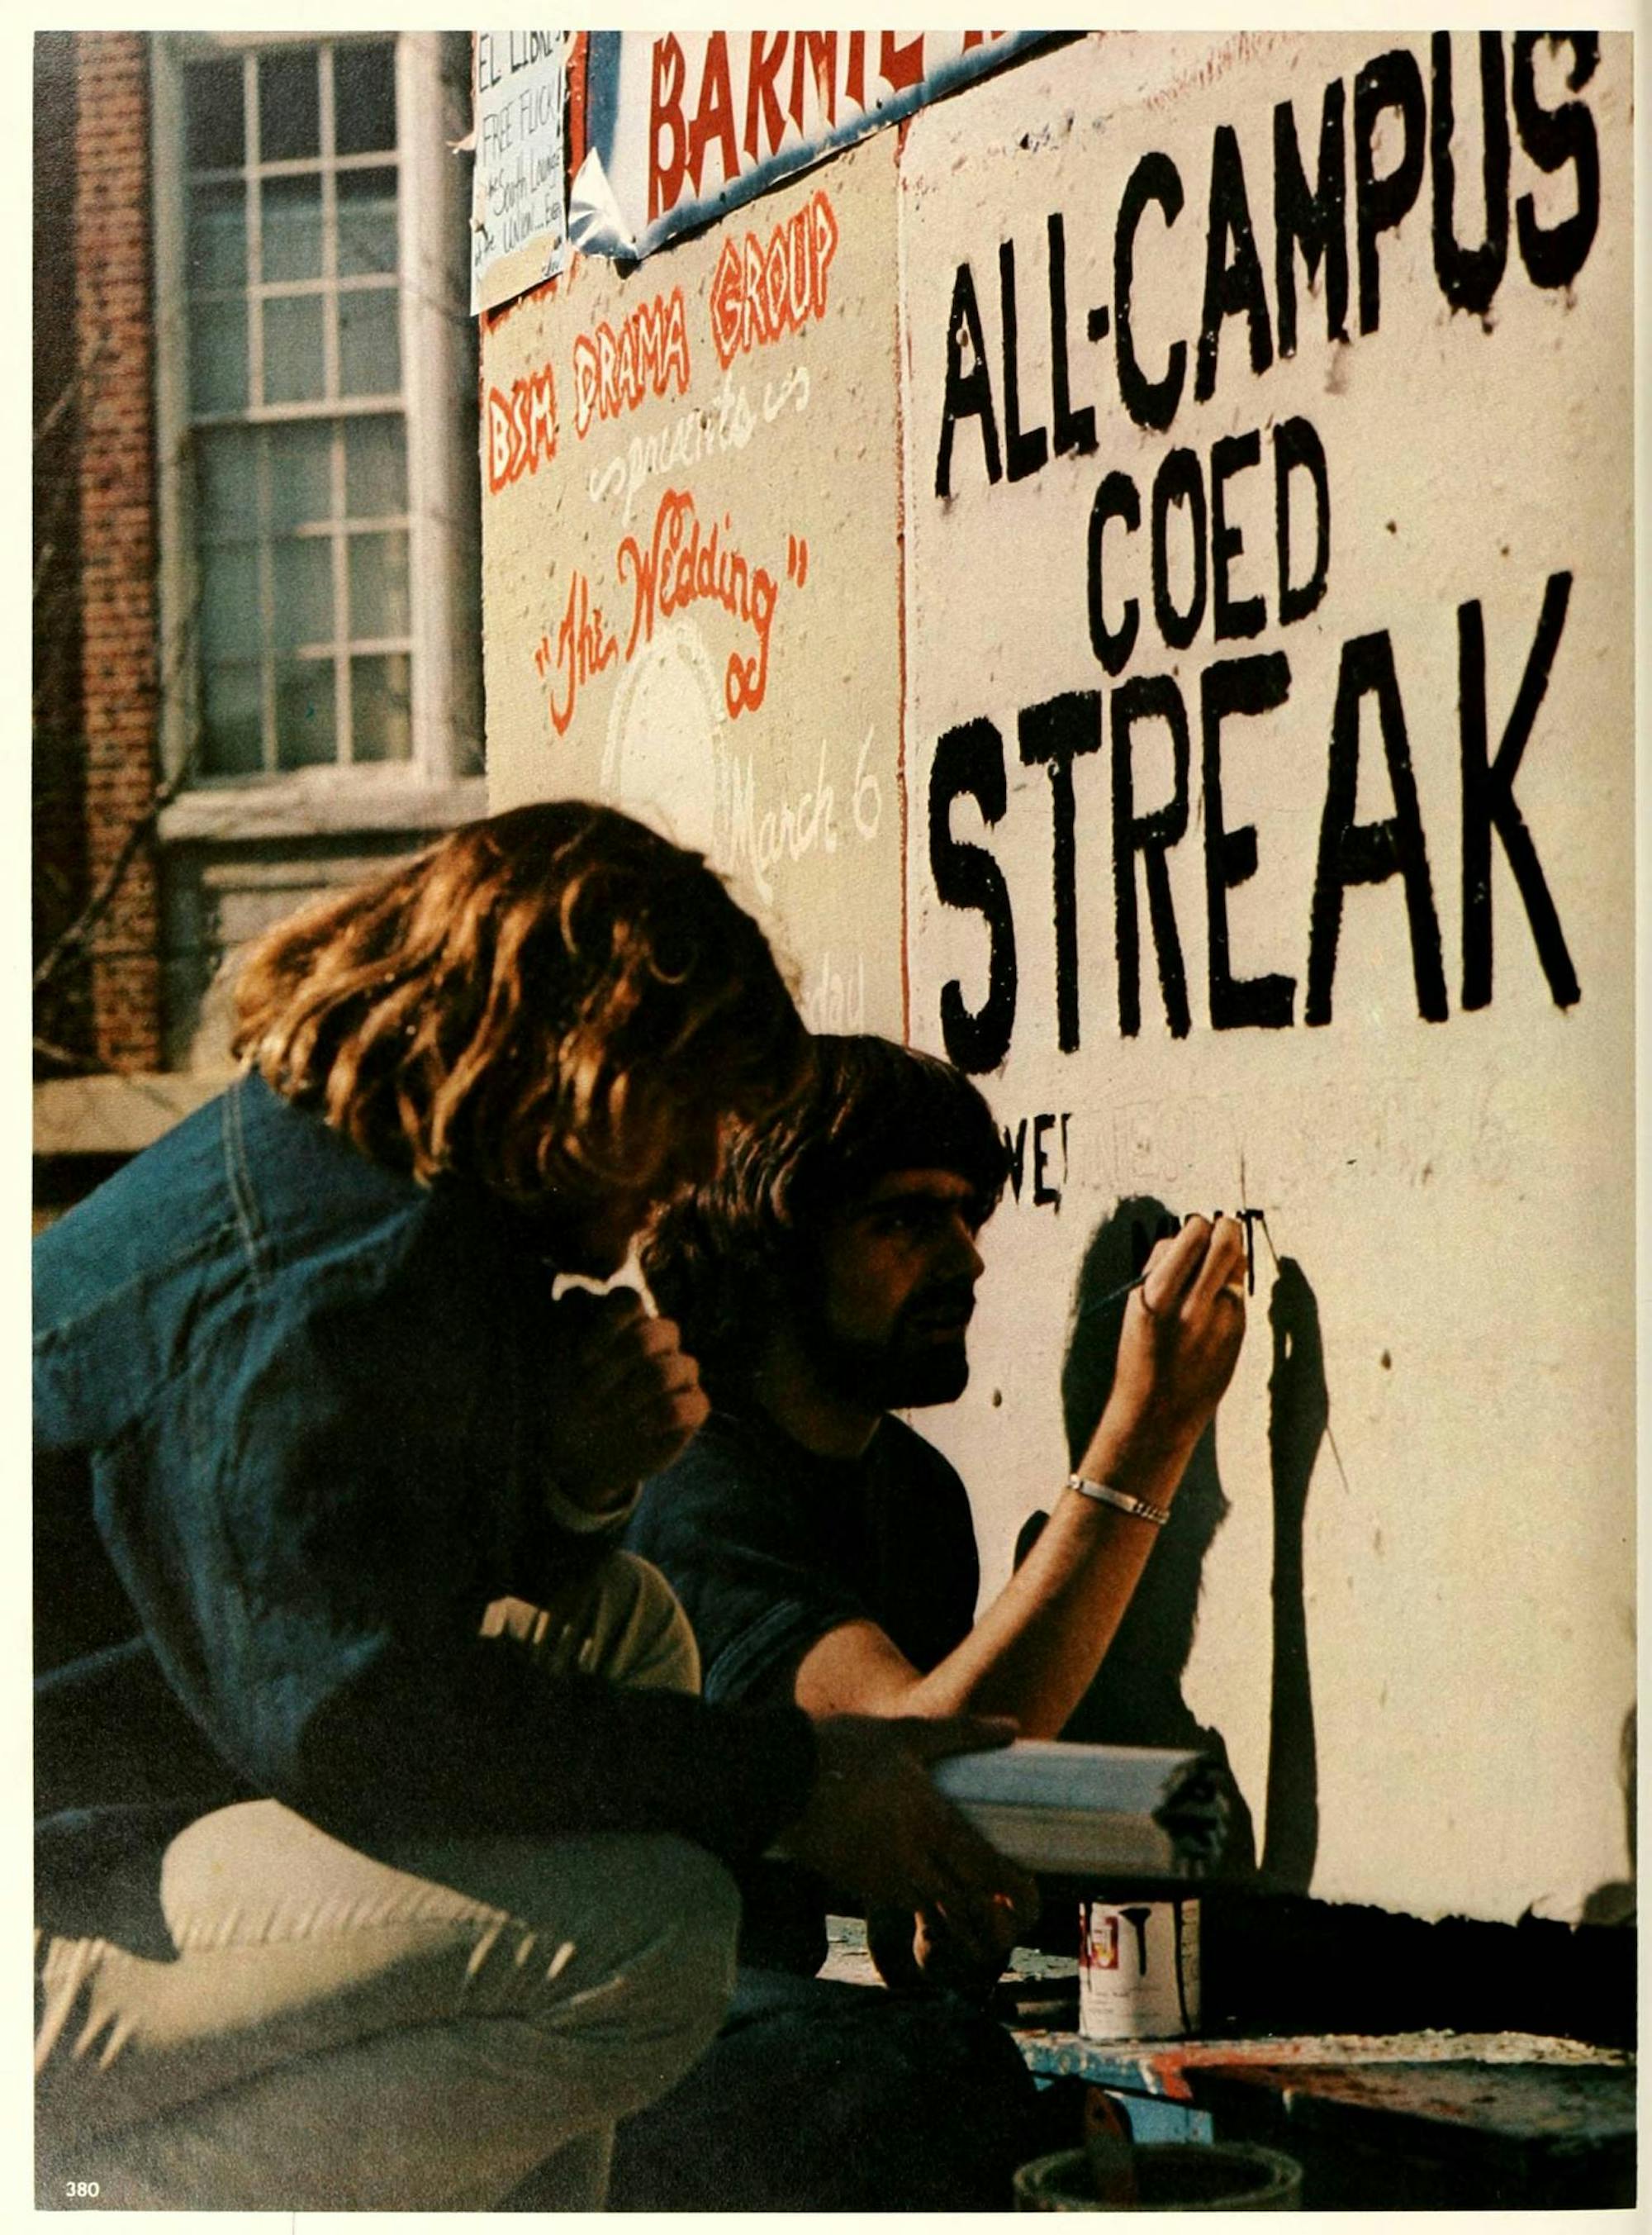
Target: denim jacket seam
<point x="238" y="1171"/>
<point x="48" y="1339"/>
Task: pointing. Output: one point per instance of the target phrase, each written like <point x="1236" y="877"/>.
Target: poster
<point x="519" y="223"/>
<point x="683" y="125"/>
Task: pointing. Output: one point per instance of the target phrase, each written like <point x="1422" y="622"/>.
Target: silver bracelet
<point x="1105" y="1494"/>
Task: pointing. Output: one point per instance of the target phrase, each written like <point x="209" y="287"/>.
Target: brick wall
<point x="57" y="792"/>
<point x="112" y="316"/>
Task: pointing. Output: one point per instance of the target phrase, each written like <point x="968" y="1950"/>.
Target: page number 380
<point x="80" y="2188"/>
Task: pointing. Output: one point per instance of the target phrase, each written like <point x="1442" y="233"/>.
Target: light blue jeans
<point x="339" y="2034"/>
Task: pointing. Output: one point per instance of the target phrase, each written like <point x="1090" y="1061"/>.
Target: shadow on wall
<point x="1614" y="1903"/>
<point x="1298" y="1419"/>
<point x="1136" y="1699"/>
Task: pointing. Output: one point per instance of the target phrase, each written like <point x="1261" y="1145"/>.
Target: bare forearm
<point x="1035" y="1650"/>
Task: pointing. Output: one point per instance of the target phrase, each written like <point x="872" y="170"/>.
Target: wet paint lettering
<point x="1039" y="1178"/>
<point x="684" y="563"/>
<point x="1335" y="228"/>
<point x="613" y="373"/>
<point x="1367" y="719"/>
<point x="763" y="291"/>
<point x="585" y="645"/>
<point x="521" y="428"/>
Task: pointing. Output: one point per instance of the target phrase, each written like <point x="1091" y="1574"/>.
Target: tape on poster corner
<point x="596" y="226"/>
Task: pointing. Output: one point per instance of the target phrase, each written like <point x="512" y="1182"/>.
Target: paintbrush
<point x="1246" y="1218"/>
<point x="1112" y="1296"/>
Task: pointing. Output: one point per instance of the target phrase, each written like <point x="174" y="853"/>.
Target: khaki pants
<point x="336" y="2034"/>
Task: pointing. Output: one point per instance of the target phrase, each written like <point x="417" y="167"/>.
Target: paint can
<point x="1138" y="1969"/>
<point x="1167" y="2177"/>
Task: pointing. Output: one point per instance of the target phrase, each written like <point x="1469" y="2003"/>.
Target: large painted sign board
<point x="1270" y="656"/>
<point x="1132" y="581"/>
<point x="690" y="552"/>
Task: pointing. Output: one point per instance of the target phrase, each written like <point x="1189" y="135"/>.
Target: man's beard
<point x="912" y="1365"/>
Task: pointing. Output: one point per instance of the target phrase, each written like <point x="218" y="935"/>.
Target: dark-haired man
<point x="824" y="1555"/>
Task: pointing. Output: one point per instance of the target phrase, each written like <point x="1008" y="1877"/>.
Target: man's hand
<point x="876" y="1825"/>
<point x="626" y="1398"/>
<point x="963" y="1948"/>
<point x="1180" y="1340"/>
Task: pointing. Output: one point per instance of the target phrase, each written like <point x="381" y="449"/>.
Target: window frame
<point x="441" y="780"/>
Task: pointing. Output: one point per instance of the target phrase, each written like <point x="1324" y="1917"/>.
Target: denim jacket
<point x="307" y="1391"/>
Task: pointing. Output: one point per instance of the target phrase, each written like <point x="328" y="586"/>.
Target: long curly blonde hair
<point x="538" y="1003"/>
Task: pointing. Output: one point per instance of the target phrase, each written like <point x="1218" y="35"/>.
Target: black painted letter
<point x="1391" y="81"/>
<point x="1295" y="442"/>
<point x="1469" y="278"/>
<point x="1488" y="798"/>
<point x="968" y="393"/>
<point x="1150" y="403"/>
<point x="1251" y="685"/>
<point x="1553" y="138"/>
<point x="1054" y="733"/>
<point x="969" y="761"/>
<point x="1231" y="617"/>
<point x="1318" y="220"/>
<point x="1024" y="452"/>
<point x="1116" y="499"/>
<point x="1230" y="288"/>
<point x="1145" y="699"/>
<point x="1074" y="431"/>
<point x="1353" y="853"/>
<point x="1180" y="480"/>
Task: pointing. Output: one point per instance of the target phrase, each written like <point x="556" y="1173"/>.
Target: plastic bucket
<point x="1169" y="2177"/>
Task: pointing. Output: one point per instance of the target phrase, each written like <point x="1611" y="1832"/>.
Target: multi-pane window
<point x="297" y="432"/>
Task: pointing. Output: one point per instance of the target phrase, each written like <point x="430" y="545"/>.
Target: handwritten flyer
<point x="519" y="223"/>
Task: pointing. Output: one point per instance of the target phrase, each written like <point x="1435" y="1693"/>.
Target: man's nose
<point x="962" y="1254"/>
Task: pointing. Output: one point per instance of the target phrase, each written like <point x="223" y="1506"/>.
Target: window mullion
<point x="341" y="598"/>
<point x="329" y="227"/>
<point x="254" y="236"/>
<point x="269" y="698"/>
<point x="330" y="360"/>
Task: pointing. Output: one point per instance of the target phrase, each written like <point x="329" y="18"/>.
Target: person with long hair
<point x="383" y="1851"/>
<point x="825" y="1278"/>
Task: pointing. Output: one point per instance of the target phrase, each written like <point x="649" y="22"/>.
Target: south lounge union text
<point x="984" y="428"/>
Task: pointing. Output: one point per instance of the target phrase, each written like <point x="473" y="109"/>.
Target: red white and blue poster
<point x="682" y="126"/>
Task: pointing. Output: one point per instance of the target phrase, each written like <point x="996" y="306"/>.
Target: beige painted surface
<point x="1457" y="1193"/>
<point x="783" y="769"/>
